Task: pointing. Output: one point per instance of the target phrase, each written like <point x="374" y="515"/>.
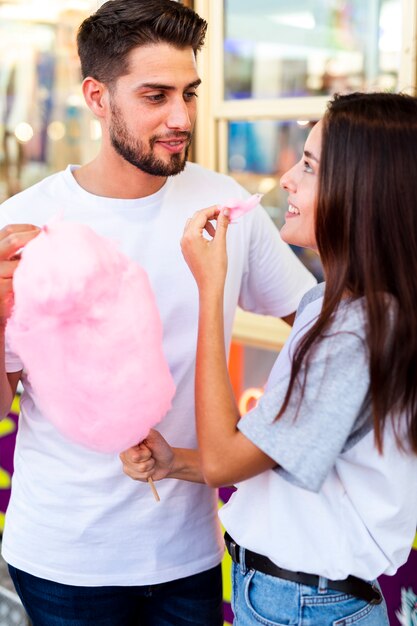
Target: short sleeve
<point x="306" y="443"/>
<point x="276" y="279"/>
<point x="12" y="361"/>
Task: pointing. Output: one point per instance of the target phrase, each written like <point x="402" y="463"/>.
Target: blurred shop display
<point x="8" y="429"/>
<point x="12" y="612"/>
<point x="44" y="123"/>
<point x="274" y="49"/>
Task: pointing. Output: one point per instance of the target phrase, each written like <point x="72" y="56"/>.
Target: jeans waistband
<point x="351" y="585"/>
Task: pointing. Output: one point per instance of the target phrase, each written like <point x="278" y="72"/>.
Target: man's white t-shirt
<point x="74" y="516"/>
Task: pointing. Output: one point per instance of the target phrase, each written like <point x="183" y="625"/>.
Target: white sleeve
<point x="12" y="361"/>
<point x="275" y="280"/>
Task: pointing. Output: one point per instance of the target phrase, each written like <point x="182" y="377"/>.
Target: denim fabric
<point x="261" y="599"/>
<point x="192" y="601"/>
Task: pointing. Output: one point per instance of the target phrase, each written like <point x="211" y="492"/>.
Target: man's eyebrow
<point x="310" y="155"/>
<point x="194" y="84"/>
<point x="162" y="87"/>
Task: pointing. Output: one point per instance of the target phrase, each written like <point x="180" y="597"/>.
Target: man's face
<point x="153" y="109"/>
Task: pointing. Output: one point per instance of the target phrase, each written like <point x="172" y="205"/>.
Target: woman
<point x="326" y="464"/>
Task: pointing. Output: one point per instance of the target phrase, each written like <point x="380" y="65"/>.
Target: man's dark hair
<point x="106" y="38"/>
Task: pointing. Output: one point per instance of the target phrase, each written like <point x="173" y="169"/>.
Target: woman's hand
<point x="206" y="258"/>
<point x="12" y="239"/>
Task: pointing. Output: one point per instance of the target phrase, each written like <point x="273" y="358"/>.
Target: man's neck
<point x="111" y="176"/>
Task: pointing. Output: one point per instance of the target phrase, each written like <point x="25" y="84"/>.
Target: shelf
<point x="260" y="331"/>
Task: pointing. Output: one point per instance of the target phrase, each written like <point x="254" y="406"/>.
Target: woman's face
<point x="301" y="183"/>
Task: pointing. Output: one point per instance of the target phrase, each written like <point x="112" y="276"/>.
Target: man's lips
<point x="173" y="145"/>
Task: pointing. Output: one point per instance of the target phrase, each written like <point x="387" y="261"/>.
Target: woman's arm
<point x="227" y="456"/>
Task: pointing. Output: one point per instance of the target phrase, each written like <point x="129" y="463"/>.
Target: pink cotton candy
<point x="86" y="326"/>
<point x="237" y="208"/>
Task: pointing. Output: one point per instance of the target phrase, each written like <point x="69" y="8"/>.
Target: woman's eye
<point x="307" y="167"/>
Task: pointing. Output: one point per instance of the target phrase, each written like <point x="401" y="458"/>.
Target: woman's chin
<point x="294" y="237"/>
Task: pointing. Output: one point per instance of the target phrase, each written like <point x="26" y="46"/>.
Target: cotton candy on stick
<point x="237" y="208"/>
<point x="86" y="326"/>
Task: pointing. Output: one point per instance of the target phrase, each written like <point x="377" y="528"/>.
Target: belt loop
<point x="377" y="599"/>
<point x="322" y="588"/>
<point x="242" y="562"/>
<point x="232" y="548"/>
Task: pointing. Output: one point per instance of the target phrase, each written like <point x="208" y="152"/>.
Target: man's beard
<point x="134" y="151"/>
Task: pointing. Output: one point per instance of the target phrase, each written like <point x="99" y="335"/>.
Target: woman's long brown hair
<point x="366" y="232"/>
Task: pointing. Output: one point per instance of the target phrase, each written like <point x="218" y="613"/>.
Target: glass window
<point x="276" y="48"/>
<point x="44" y="122"/>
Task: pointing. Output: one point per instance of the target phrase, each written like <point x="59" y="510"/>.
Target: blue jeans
<point x="192" y="601"/>
<point x="261" y="599"/>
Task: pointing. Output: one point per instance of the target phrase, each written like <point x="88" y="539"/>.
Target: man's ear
<point x="96" y="96"/>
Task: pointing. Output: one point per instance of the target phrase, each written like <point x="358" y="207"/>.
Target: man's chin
<point x="173" y="167"/>
<point x="179" y="168"/>
<point x="172" y="164"/>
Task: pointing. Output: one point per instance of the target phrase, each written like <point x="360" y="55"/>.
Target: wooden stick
<point x="154" y="491"/>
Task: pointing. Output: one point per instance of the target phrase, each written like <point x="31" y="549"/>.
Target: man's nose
<point x="179" y="116"/>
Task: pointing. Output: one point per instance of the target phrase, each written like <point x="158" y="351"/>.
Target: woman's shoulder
<point x="313" y="294"/>
<point x="348" y="316"/>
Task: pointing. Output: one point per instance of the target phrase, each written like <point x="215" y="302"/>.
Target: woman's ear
<point x="96" y="96"/>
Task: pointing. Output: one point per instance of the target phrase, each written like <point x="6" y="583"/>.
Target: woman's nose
<point x="287" y="181"/>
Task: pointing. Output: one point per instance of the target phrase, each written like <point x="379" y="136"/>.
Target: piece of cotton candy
<point x="237" y="208"/>
<point x="86" y="326"/>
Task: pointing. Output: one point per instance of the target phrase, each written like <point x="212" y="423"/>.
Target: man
<point x="85" y="544"/>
